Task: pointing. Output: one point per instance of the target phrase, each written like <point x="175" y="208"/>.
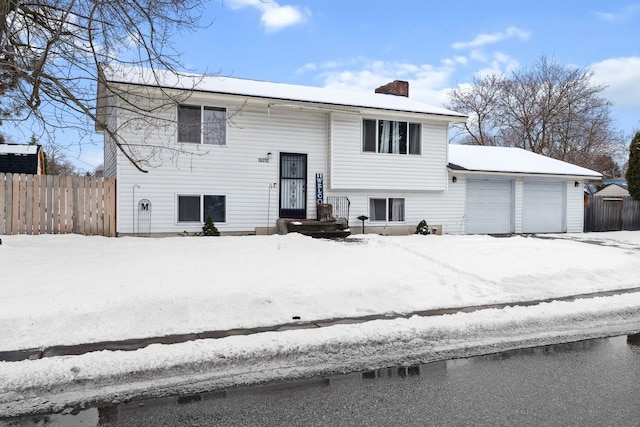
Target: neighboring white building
<point x="250" y="152"/>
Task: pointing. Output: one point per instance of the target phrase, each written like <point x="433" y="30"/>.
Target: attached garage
<point x="511" y="190"/>
<point x="543" y="206"/>
<point x="489" y="206"/>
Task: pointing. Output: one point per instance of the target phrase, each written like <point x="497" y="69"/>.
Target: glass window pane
<point x="396" y="209"/>
<point x="215" y="126"/>
<point x="188" y="208"/>
<point x="369" y="136"/>
<point x="215" y="206"/>
<point x="377" y="209"/>
<point x="415" y="138"/>
<point x="384" y="136"/>
<point x="401" y="137"/>
<point x="189" y="124"/>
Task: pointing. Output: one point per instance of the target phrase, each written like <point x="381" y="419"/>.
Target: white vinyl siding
<point x="110" y="154"/>
<point x="575" y="206"/>
<point x="352" y="168"/>
<point x="236" y="170"/>
<point x="444" y="208"/>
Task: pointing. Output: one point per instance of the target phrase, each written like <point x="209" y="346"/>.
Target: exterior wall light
<point x="454" y="179"/>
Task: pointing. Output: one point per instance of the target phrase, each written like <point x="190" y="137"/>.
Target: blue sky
<point x="434" y="45"/>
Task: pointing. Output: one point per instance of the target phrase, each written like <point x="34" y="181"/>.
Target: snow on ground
<point x="70" y="289"/>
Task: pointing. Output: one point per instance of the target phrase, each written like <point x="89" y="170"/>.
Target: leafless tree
<point x="51" y="53"/>
<point x="479" y="100"/>
<point x="57" y="163"/>
<point x="549" y="109"/>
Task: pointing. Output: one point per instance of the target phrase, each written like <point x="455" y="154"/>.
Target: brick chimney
<point x="397" y="87"/>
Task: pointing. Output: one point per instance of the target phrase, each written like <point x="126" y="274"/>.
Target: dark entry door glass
<point x="293" y="185"/>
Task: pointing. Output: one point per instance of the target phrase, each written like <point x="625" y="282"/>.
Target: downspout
<point x="133" y="213"/>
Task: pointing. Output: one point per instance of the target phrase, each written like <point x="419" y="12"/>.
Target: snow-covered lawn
<point x="70" y="289"/>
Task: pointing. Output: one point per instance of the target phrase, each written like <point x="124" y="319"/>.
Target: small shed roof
<point x="613" y="190"/>
<point x="18" y="149"/>
<point x="277" y="91"/>
<point x="478" y="158"/>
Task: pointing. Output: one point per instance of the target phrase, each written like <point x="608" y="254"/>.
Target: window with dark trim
<point x="391" y="137"/>
<point x="386" y="209"/>
<point x="196" y="208"/>
<point x="202" y="125"/>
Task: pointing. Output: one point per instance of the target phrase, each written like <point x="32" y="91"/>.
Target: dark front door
<point x="293" y="185"/>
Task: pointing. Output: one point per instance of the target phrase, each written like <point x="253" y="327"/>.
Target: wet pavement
<point x="585" y="383"/>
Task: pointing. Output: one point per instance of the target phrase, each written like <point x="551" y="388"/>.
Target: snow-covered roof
<point x="613" y="190"/>
<point x="276" y="91"/>
<point x="18" y="149"/>
<point x="480" y="158"/>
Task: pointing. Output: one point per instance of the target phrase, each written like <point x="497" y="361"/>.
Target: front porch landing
<point x="320" y="229"/>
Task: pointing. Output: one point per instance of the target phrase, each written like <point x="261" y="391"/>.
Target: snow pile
<point x="73" y="289"/>
<point x="69" y="289"/>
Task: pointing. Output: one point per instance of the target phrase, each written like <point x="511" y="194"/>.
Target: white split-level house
<point x="251" y="152"/>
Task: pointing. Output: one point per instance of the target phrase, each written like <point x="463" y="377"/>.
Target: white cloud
<point x="427" y="83"/>
<point x="622" y="78"/>
<point x="622" y="15"/>
<point x="309" y="66"/>
<point x="485" y="39"/>
<point x="462" y="60"/>
<point x="312" y="66"/>
<point x="274" y="17"/>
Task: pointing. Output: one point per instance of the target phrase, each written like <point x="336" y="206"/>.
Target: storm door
<point x="293" y="185"/>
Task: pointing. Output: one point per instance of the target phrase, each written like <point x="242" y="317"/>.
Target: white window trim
<point x="202" y="109"/>
<point x="392" y="119"/>
<point x="201" y="210"/>
<point x="386" y="211"/>
<point x="177" y="213"/>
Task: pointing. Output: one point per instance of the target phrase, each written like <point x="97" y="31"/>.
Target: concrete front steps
<point x="330" y="229"/>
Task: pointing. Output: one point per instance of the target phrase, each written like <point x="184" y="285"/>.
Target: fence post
<point x="29" y="205"/>
<point x="15" y="207"/>
<point x="3" y="203"/>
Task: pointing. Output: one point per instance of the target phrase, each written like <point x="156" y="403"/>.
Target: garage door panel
<point x="489" y="206"/>
<point x="543" y="209"/>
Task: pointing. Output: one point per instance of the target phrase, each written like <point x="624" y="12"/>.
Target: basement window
<point x="195" y="208"/>
<point x="386" y="210"/>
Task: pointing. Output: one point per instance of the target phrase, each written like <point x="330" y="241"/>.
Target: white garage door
<point x="489" y="208"/>
<point x="543" y="209"/>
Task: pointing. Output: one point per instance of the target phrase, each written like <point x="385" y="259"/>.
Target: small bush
<point x="423" y="228"/>
<point x="209" y="228"/>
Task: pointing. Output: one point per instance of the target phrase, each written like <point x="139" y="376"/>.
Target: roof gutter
<point x="458" y="170"/>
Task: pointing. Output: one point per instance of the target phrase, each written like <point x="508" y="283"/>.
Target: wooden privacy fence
<point x="603" y="213"/>
<point x="51" y="204"/>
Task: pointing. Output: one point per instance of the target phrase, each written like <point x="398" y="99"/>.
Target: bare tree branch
<point x="549" y="109"/>
<point x="51" y="52"/>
